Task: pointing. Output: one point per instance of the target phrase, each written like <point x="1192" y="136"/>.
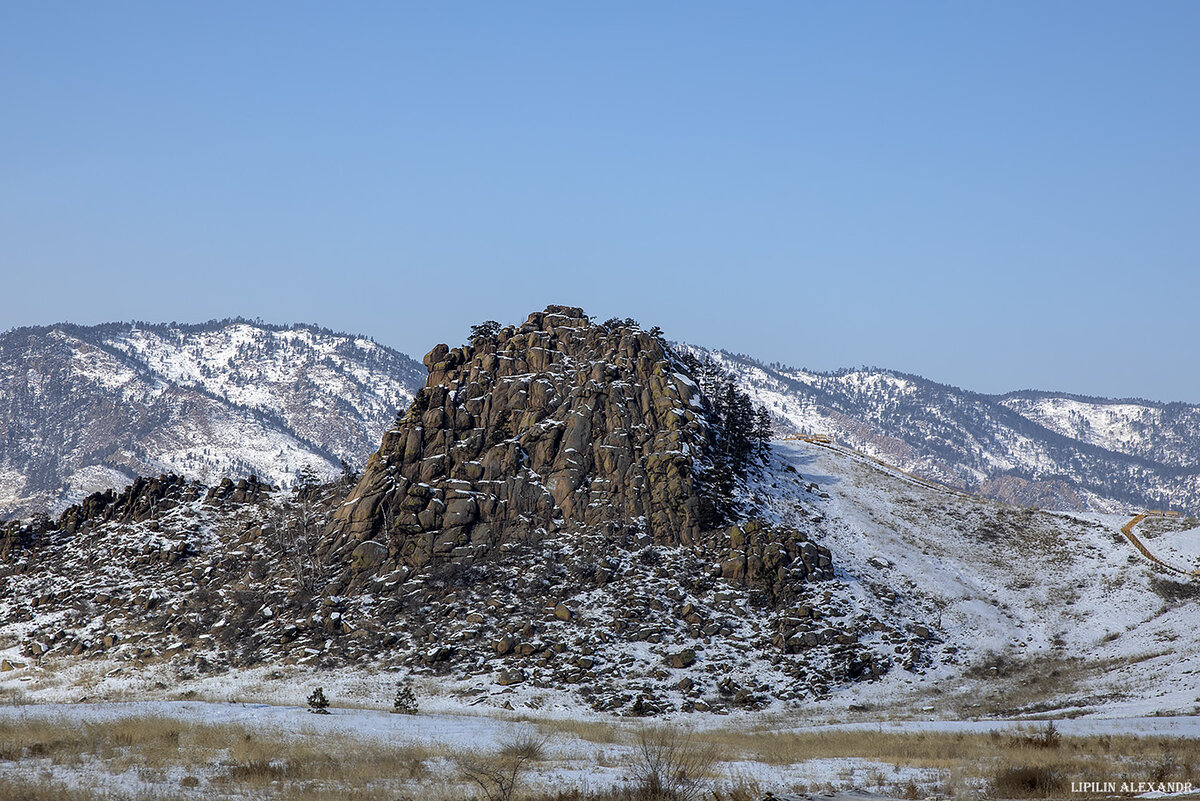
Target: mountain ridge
<point x="1014" y="446"/>
<point x="92" y="407"/>
<point x="1058" y="449"/>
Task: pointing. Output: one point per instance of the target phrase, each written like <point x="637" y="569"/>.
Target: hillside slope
<point x="927" y="605"/>
<point x="1030" y="611"/>
<point x="88" y="408"/>
<point x="1031" y="448"/>
<point x="538" y="530"/>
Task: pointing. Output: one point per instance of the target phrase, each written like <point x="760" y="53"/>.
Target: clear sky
<point x="997" y="195"/>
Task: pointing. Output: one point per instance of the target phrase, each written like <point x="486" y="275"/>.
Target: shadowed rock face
<point x="556" y="425"/>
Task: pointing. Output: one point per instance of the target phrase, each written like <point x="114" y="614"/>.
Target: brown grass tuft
<point x="1024" y="781"/>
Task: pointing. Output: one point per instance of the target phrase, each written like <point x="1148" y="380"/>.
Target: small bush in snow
<point x="499" y="774"/>
<point x="405" y="702"/>
<point x="317" y="702"/>
<point x="669" y="763"/>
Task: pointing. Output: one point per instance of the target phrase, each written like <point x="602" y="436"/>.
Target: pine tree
<point x="307" y="479"/>
<point x="405" y="702"/>
<point x="317" y="702"/>
<point x="742" y="434"/>
<point x="485" y="330"/>
<point x="763" y="431"/>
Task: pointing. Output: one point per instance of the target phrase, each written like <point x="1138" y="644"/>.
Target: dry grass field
<point x="164" y="758"/>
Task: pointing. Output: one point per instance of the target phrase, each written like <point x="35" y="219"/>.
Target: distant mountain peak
<point x="91" y="407"/>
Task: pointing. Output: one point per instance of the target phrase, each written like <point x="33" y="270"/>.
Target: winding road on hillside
<point x="1127" y="530"/>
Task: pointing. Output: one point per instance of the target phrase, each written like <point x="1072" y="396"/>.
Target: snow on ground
<point x="1015" y="594"/>
<point x="571" y="760"/>
<point x="1180" y="548"/>
<point x="1115" y="426"/>
<point x="1032" y="615"/>
<point x="452" y="730"/>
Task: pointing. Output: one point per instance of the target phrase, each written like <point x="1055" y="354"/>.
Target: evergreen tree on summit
<point x="485" y="330"/>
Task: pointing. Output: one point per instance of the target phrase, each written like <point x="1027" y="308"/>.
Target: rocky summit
<point x="556" y="511"/>
<point x="556" y="425"/>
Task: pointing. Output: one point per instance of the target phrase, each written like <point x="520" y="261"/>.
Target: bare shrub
<point x="294" y="534"/>
<point x="260" y="771"/>
<point x="14" y="788"/>
<point x="1049" y="737"/>
<point x="1028" y="781"/>
<point x="499" y="774"/>
<point x="742" y="789"/>
<point x="1174" y="592"/>
<point x="671" y="765"/>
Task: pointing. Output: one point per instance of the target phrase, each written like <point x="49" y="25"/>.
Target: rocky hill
<point x="1031" y="448"/>
<point x="88" y="408"/>
<point x="550" y="512"/>
<point x="552" y="524"/>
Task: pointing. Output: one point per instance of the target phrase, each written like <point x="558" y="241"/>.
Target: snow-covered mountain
<point x="85" y="408"/>
<point x="1051" y="450"/>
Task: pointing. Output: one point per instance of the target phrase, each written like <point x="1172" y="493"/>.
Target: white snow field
<point x="1013" y="591"/>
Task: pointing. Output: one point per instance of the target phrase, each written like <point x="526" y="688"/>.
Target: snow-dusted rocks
<point x="557" y="425"/>
<point x="534" y="531"/>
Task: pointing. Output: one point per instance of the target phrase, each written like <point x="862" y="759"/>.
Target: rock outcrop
<point x="556" y="425"/>
<point x="551" y="513"/>
<point x="137" y="502"/>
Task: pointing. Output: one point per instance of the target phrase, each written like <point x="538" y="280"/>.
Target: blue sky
<point x="995" y="195"/>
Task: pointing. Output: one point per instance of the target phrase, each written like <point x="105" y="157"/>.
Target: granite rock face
<point x="556" y="425"/>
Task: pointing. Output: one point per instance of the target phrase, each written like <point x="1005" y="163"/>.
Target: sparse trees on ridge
<point x="743" y="433"/>
<point x="485" y="330"/>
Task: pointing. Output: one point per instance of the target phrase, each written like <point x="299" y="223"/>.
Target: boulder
<point x="682" y="659"/>
<point x="507" y="677"/>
